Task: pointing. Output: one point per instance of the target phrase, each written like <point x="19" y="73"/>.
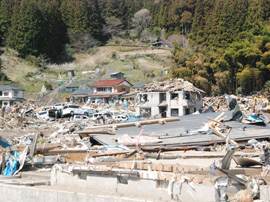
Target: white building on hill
<point x="170" y="98"/>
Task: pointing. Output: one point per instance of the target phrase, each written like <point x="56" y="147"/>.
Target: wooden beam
<point x="221" y="135"/>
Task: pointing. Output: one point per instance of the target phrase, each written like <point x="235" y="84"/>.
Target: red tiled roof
<point x="113" y="82"/>
<point x="106" y="94"/>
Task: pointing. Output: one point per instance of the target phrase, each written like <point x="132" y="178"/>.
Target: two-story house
<point x="169" y="101"/>
<point x="10" y="95"/>
<point x="106" y="91"/>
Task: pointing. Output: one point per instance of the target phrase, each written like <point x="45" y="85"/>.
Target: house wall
<point x="6" y="92"/>
<point x="121" y="88"/>
<point x="20" y="94"/>
<point x="116" y="89"/>
<point x="10" y="94"/>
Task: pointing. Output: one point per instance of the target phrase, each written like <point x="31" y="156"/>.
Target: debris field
<point x="226" y="149"/>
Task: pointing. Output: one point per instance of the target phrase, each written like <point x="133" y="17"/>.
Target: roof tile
<point x="113" y="82"/>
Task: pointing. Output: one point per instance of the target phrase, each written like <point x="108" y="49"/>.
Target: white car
<point x="74" y="110"/>
<point x="58" y="106"/>
<point x="43" y="115"/>
<point x="114" y="114"/>
<point x="95" y="116"/>
<point x="81" y="118"/>
<point x="122" y="118"/>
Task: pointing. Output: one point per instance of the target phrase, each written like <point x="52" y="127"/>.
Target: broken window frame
<point x="16" y="93"/>
<point x="186" y="95"/>
<point x="174" y="112"/>
<point x="174" y="96"/>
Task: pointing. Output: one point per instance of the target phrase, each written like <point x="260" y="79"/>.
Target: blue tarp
<point x="4" y="143"/>
<point x="11" y="166"/>
<point x="254" y="119"/>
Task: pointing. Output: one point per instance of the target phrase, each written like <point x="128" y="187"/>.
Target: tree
<point x="186" y="21"/>
<point x="113" y="27"/>
<point x="83" y="21"/>
<point x="142" y="19"/>
<point x="249" y="79"/>
<point x="5" y="19"/>
<point x="267" y="88"/>
<point x="254" y="21"/>
<point x="83" y="41"/>
<point x="25" y="28"/>
<point x="53" y="35"/>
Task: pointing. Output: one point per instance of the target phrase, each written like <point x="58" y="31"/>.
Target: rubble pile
<point x="247" y="104"/>
<point x="19" y="115"/>
<point x="218" y="103"/>
<point x="220" y="154"/>
<point x="130" y="107"/>
<point x="170" y="86"/>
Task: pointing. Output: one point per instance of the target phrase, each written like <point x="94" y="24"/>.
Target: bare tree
<point x="113" y="26"/>
<point x="142" y="19"/>
<point x="83" y="41"/>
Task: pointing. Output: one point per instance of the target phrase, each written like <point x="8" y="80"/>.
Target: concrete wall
<point x="146" y="189"/>
<point x="9" y="193"/>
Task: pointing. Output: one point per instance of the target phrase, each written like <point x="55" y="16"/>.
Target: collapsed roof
<point x="170" y="85"/>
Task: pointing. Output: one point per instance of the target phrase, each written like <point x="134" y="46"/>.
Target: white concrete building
<point x="10" y="95"/>
<point x="178" y="98"/>
<point x="168" y="104"/>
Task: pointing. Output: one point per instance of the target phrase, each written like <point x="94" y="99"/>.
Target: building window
<point x="146" y="112"/>
<point x="174" y="112"/>
<point x="16" y="93"/>
<point x="6" y="93"/>
<point x="186" y="95"/>
<point x="5" y="103"/>
<point x="1" y="93"/>
<point x="162" y="97"/>
<point x="144" y="98"/>
<point x="100" y="89"/>
<point x="108" y="90"/>
<point x="174" y="96"/>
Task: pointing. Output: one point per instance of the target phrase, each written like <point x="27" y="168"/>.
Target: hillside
<point x="222" y="46"/>
<point x="140" y="64"/>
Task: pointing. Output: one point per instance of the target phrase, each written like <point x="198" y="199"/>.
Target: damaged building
<point x="170" y="98"/>
<point x="10" y="95"/>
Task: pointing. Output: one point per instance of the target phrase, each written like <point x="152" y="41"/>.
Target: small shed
<point x="117" y="75"/>
<point x="158" y="44"/>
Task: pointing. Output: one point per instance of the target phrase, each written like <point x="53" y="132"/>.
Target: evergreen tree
<point x="25" y="27"/>
<point x="5" y="19"/>
<point x="254" y="21"/>
<point x="53" y="35"/>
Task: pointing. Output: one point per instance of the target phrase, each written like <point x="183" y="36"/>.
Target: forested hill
<point x="229" y="40"/>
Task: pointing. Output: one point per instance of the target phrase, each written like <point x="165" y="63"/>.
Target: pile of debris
<point x="218" y="103"/>
<point x="129" y="107"/>
<point x="247" y="104"/>
<point x="221" y="154"/>
<point x="20" y="115"/>
<point x="170" y="85"/>
<point x="74" y="150"/>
